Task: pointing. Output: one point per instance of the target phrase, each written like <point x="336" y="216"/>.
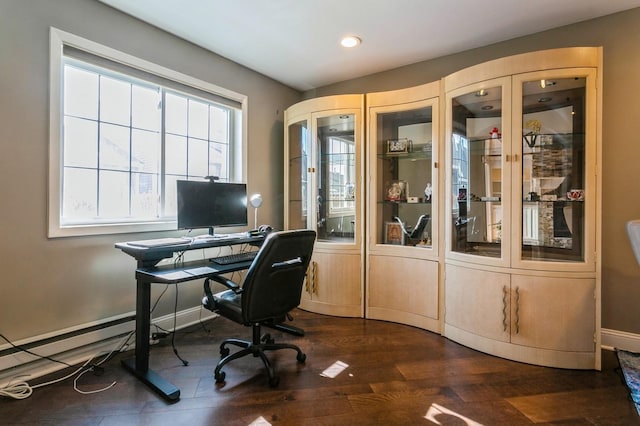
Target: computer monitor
<point x="211" y="204"/>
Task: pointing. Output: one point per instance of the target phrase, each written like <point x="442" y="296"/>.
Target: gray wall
<point x="619" y="34"/>
<point x="48" y="285"/>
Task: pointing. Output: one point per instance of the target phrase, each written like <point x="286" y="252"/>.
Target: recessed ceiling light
<point x="487" y="108"/>
<point x="350" y="41"/>
<point x="481" y="92"/>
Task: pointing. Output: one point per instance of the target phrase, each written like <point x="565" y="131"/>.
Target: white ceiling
<point x="297" y="41"/>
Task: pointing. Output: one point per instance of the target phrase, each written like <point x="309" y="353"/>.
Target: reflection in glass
<point x="476" y="173"/>
<point x="299" y="152"/>
<point x="405" y="159"/>
<point x="336" y="176"/>
<point x="553" y="163"/>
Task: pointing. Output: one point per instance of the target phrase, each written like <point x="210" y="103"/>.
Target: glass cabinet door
<point x="553" y="170"/>
<point x="477" y="188"/>
<point x="335" y="178"/>
<point x="299" y="160"/>
<point x="405" y="175"/>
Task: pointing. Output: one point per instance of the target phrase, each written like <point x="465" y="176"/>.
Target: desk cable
<point x="20" y="389"/>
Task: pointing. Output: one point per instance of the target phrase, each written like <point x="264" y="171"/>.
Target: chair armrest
<point x="231" y="285"/>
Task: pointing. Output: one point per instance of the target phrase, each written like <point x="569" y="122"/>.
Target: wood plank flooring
<point x="397" y="375"/>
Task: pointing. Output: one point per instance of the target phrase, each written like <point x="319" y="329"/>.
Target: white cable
<point x="21" y="389"/>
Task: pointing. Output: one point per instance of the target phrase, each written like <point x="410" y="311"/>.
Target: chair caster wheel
<point x="274" y="382"/>
<point x="268" y="339"/>
<point x="224" y="352"/>
<point x="220" y="377"/>
<point x="301" y="358"/>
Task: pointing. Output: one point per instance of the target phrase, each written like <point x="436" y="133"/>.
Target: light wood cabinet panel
<point x="403" y="290"/>
<point x="329" y="288"/>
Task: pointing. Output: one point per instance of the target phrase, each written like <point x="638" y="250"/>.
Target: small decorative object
<point x="428" y="191"/>
<point x="412" y="200"/>
<point x="462" y="194"/>
<point x="534" y="127"/>
<point x="396" y="190"/>
<point x="495" y="134"/>
<point x="533" y="196"/>
<point x="350" y="191"/>
<point x="575" y="195"/>
<point x="393" y="234"/>
<point x="399" y="146"/>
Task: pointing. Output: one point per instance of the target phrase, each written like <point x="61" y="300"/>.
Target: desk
<point x="147" y="273"/>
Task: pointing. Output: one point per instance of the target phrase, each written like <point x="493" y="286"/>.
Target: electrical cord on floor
<point x="20" y="389"/>
<point x="173" y="334"/>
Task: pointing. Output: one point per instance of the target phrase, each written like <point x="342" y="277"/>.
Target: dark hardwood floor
<point x="397" y="375"/>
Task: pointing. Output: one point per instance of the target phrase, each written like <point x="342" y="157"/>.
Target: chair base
<point x="257" y="347"/>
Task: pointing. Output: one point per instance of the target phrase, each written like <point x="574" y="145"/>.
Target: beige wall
<point x="619" y="35"/>
<point x="49" y="285"/>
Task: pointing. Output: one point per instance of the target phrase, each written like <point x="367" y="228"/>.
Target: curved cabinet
<point x="403" y="193"/>
<point x="523" y="207"/>
<point x="324" y="191"/>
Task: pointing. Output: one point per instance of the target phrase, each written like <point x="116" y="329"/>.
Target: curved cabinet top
<point x="570" y="57"/>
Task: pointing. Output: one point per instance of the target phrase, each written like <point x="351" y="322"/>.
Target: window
<point x="123" y="131"/>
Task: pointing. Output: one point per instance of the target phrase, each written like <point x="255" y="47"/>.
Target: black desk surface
<point x="149" y="256"/>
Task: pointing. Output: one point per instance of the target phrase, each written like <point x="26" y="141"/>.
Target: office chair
<point x="271" y="288"/>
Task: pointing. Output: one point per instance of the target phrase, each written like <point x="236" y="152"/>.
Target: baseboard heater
<point x="78" y="344"/>
<point x="64" y="341"/>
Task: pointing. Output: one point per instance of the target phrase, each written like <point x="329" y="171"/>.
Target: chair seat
<point x="229" y="305"/>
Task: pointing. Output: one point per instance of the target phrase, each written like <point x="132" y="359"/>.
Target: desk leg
<point x="139" y="366"/>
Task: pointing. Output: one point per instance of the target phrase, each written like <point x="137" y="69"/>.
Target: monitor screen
<point x="211" y="204"/>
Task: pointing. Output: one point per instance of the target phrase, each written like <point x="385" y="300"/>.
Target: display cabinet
<point x="402" y="279"/>
<point x="324" y="191"/>
<point x="523" y="207"/>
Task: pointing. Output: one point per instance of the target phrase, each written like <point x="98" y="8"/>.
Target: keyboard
<point x="245" y="256"/>
<point x="160" y="242"/>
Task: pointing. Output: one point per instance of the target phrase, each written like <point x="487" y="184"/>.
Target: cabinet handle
<point x="308" y="277"/>
<point x="311" y="169"/>
<point x="505" y="295"/>
<point x="508" y="158"/>
<point x="515" y="157"/>
<point x="517" y="310"/>
<point x="314" y="281"/>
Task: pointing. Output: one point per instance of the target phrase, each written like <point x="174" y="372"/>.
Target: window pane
<point x="145" y="151"/>
<point x="198" y="150"/>
<point x="176" y="155"/>
<point x="80" y="142"/>
<point x="171" y="196"/>
<point x="175" y="114"/>
<point x="198" y="119"/>
<point x="146" y="112"/>
<point x="218" y="124"/>
<point x="115" y="101"/>
<point x="80" y="93"/>
<point x="145" y="202"/>
<point x="113" y="196"/>
<point x="114" y="147"/>
<point x="218" y="160"/>
<point x="80" y="195"/>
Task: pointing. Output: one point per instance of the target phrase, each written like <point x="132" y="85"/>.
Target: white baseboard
<point x="614" y="339"/>
<point x="79" y="348"/>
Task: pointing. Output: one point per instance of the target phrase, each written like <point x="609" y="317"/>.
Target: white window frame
<point x="59" y="39"/>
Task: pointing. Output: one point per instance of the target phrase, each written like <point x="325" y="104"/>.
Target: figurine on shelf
<point x="427" y="193"/>
<point x="495" y="134"/>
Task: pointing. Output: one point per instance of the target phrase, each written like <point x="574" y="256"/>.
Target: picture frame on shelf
<point x="393" y="234"/>
<point x="398" y="146"/>
<point x="396" y="190"/>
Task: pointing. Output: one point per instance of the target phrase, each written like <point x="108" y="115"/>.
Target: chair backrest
<point x="273" y="284"/>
